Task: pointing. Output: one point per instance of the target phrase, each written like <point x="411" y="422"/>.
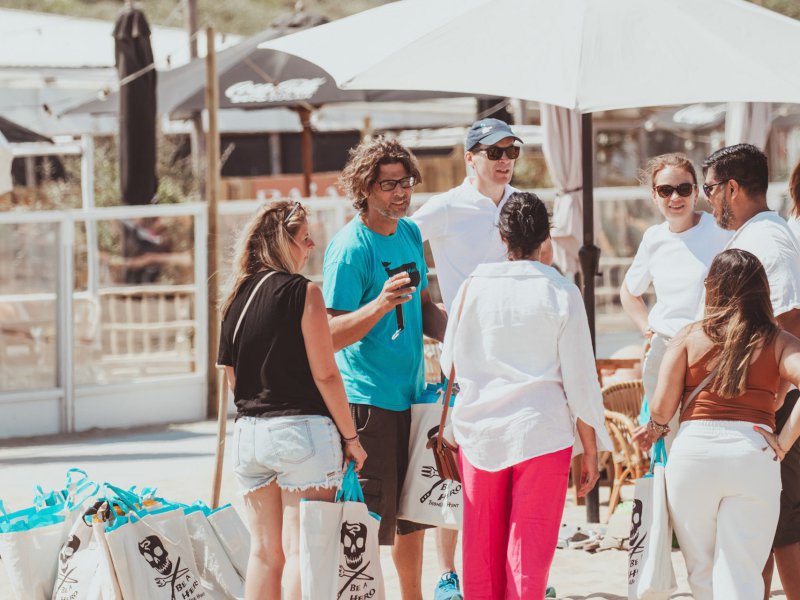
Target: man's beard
<point x="725" y="215"/>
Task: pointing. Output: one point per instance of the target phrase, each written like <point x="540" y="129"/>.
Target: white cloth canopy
<point x="589" y="55"/>
<point x="748" y="123"/>
<point x="6" y="158"/>
<point x="562" y="153"/>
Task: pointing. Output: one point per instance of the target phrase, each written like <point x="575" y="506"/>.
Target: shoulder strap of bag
<point x="249" y="300"/>
<point x="449" y="390"/>
<point x="700" y="387"/>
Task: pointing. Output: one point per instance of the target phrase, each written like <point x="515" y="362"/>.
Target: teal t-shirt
<point x="377" y="370"/>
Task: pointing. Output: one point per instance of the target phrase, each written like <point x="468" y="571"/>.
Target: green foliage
<point x="176" y="183"/>
<point x="243" y="17"/>
<point x="790" y="8"/>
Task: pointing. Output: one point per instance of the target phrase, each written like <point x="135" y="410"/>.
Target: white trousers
<point x="723" y="493"/>
<point x="650" y="368"/>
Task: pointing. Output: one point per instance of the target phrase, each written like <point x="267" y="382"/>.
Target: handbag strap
<point x="700" y="387"/>
<point x="449" y="391"/>
<point x="247" y="305"/>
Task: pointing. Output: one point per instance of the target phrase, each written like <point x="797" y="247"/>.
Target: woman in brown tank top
<point x="723" y="481"/>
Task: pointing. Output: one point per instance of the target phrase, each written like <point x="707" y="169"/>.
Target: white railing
<point x="168" y="322"/>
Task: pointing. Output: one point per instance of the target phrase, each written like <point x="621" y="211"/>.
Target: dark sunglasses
<point x="666" y="191"/>
<point x="707" y="187"/>
<point x="387" y="185"/>
<point x="496" y="152"/>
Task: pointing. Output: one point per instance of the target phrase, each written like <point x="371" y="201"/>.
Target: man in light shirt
<point x="736" y="180"/>
<point x="461" y="227"/>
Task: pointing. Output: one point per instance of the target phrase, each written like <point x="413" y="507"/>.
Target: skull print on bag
<point x="68" y="550"/>
<point x="354" y="541"/>
<point x="635" y="541"/>
<point x="155" y="554"/>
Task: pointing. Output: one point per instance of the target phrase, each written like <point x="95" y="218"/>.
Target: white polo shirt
<point x="461" y="226"/>
<point x="771" y="240"/>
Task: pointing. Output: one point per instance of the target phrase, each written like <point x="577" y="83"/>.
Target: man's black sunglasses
<point x="495" y="152"/>
<point x="707" y="187"/>
<point x="387" y="185"/>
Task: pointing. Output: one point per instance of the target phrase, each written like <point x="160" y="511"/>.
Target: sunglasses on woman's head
<point x="495" y="152"/>
<point x="291" y="213"/>
<point x="684" y="190"/>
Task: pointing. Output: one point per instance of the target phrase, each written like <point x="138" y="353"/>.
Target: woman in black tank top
<point x="292" y="412"/>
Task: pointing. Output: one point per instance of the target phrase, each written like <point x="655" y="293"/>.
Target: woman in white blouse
<point x="674" y="256"/>
<point x="523" y="359"/>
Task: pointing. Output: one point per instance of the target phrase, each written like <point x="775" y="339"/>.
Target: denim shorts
<point x="300" y="452"/>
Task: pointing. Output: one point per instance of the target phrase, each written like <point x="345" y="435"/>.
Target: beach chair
<point x="629" y="460"/>
<point x="624" y="397"/>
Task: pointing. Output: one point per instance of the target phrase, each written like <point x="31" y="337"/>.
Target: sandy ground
<point x="179" y="460"/>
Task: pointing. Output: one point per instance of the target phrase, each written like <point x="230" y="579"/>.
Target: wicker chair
<point x="629" y="460"/>
<point x="625" y="397"/>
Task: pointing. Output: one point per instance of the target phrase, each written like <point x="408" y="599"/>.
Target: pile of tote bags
<point x="87" y="541"/>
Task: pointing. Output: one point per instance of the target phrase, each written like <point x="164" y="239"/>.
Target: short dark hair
<point x="524" y="223"/>
<point x="364" y="163"/>
<point x="744" y="163"/>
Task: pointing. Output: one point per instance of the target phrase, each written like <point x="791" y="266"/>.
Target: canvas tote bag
<point x="650" y="572"/>
<point x="427" y="497"/>
<point x="339" y="554"/>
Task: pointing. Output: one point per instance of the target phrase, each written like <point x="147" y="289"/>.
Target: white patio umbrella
<point x="587" y="55"/>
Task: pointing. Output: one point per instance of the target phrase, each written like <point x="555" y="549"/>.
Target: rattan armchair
<point x="629" y="460"/>
<point x="624" y="397"/>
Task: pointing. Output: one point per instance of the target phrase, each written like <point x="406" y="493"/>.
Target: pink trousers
<point x="511" y="523"/>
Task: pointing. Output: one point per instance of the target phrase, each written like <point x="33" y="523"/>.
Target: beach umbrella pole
<point x="307" y="151"/>
<point x="212" y="195"/>
<point x="589" y="256"/>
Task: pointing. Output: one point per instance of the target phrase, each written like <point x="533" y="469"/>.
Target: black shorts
<point x="788" y="531"/>
<point x="384" y="435"/>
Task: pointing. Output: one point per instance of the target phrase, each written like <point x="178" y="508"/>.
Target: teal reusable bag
<point x="31" y="539"/>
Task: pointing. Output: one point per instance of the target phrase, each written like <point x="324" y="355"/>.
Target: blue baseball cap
<point x="488" y="132"/>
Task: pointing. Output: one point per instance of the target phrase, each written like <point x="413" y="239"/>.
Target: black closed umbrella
<point x="137" y="108"/>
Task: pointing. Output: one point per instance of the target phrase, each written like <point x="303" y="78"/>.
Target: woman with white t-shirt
<point x="674" y="256"/>
<point x="519" y="338"/>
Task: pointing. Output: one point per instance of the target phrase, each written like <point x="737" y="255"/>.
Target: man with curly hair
<point x="375" y="287"/>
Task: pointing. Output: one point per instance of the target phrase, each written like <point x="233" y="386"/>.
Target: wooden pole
<point x="212" y="195"/>
<point x="589" y="256"/>
<point x="307" y="149"/>
<point x="222" y="423"/>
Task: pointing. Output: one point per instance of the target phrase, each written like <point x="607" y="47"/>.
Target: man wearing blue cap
<point x="461" y="223"/>
<point x="461" y="226"/>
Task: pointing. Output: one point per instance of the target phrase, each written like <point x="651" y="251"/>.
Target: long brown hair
<point x="738" y="316"/>
<point x="794" y="189"/>
<point x="265" y="243"/>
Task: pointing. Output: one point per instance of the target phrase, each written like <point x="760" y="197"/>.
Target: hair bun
<point x="524" y="223"/>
